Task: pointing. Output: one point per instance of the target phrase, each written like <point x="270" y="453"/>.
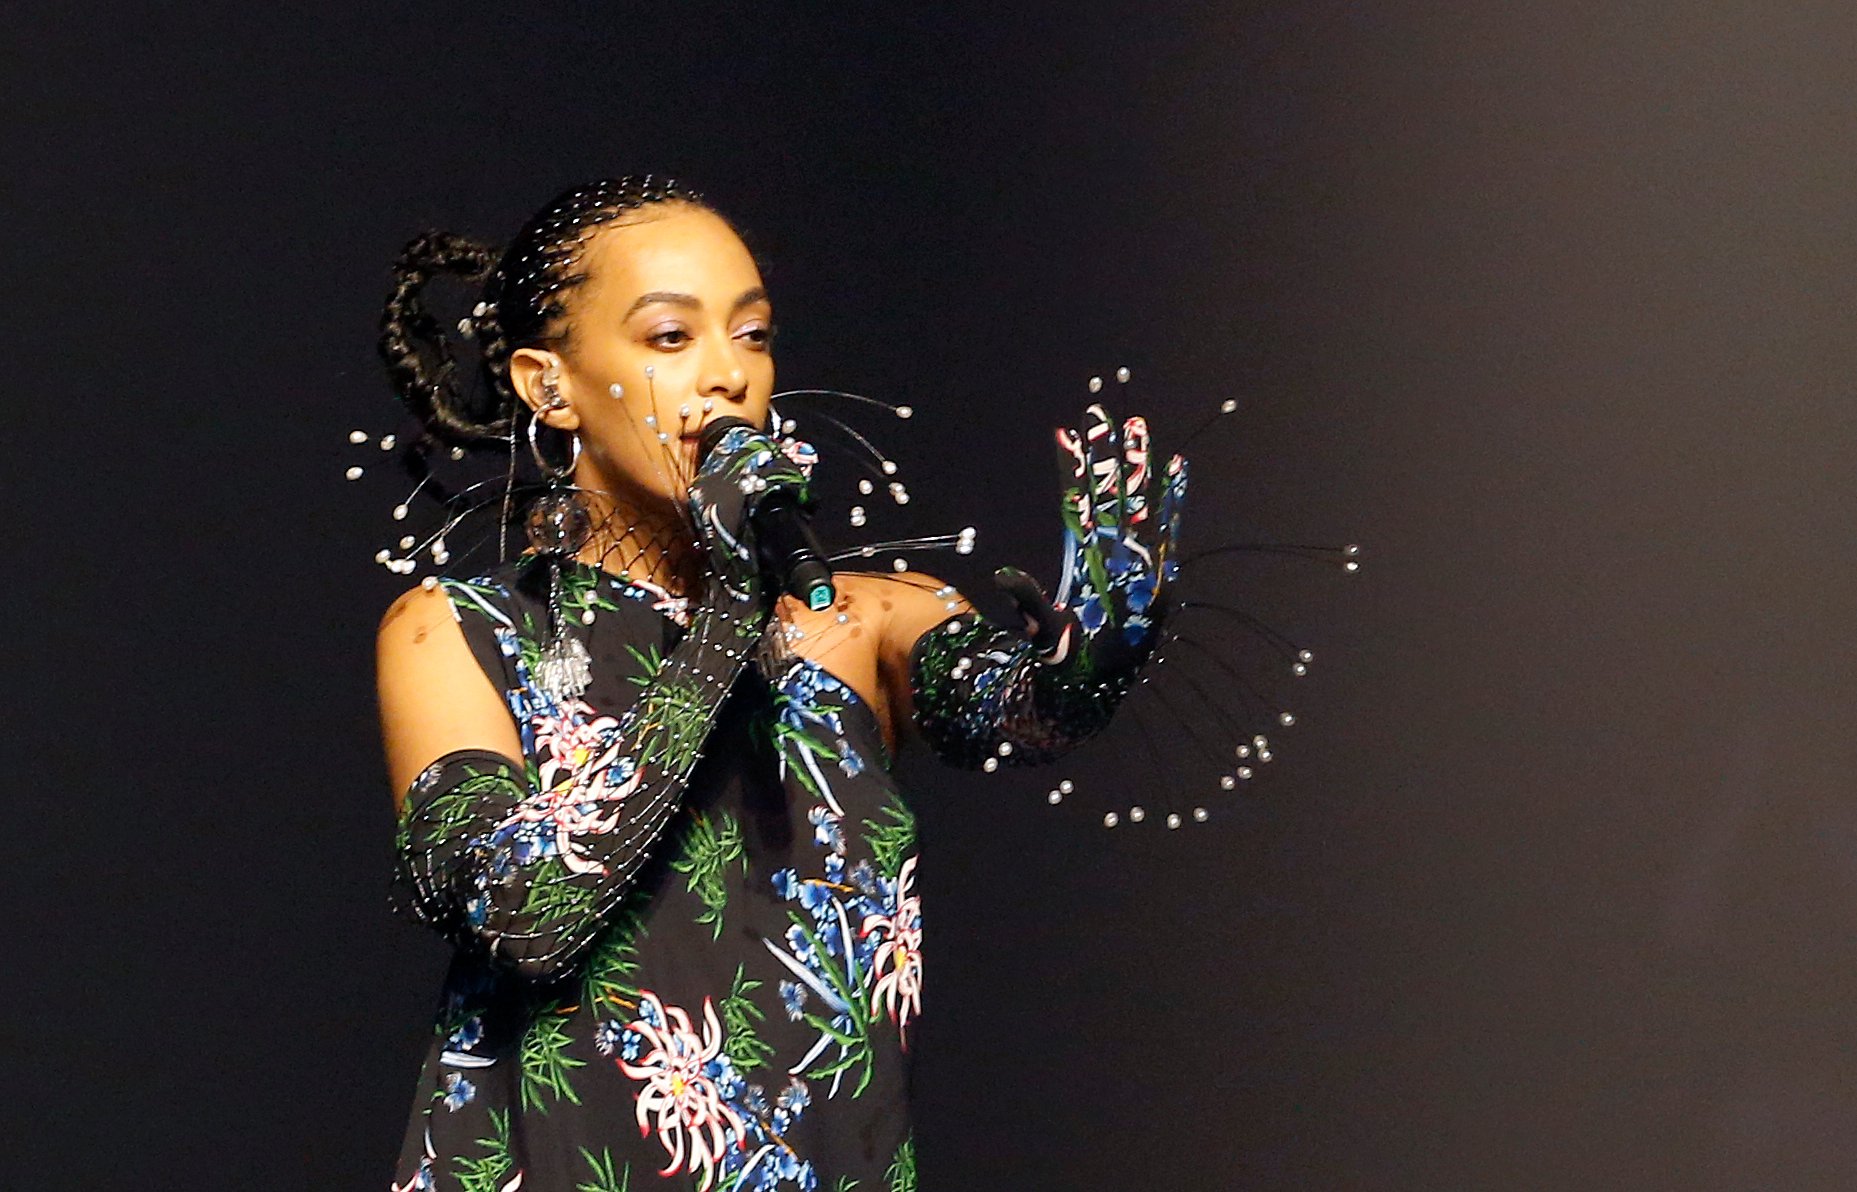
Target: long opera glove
<point x="530" y="875"/>
<point x="984" y="692"/>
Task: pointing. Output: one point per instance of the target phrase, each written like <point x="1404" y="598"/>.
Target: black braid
<point x="523" y="302"/>
<point x="416" y="349"/>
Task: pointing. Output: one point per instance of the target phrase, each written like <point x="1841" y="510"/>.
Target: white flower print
<point x="683" y="1094"/>
<point x="899" y="953"/>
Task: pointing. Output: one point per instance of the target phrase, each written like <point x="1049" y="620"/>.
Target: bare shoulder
<point x="434" y="697"/>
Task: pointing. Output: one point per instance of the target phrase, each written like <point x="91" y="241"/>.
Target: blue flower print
<point x="469" y="1033"/>
<point x="787" y="884"/>
<point x="793" y="997"/>
<point x="828" y="829"/>
<point x="458" y="1091"/>
<point x="609" y="1035"/>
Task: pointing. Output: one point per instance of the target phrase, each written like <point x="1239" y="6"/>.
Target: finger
<point x="1099" y="453"/>
<point x="1135" y="469"/>
<point x="1074" y="466"/>
<point x="1173" y="501"/>
<point x="1047" y="627"/>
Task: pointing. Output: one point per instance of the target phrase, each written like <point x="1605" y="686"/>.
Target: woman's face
<point x="674" y="314"/>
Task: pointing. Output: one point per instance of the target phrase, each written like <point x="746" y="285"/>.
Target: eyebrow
<point x="691" y="301"/>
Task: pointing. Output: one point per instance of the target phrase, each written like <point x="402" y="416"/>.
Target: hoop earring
<point x="559" y="525"/>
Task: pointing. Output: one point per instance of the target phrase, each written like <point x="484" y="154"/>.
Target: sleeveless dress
<point x="742" y="1021"/>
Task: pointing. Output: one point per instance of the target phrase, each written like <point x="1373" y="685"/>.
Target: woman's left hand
<point x="1120" y="558"/>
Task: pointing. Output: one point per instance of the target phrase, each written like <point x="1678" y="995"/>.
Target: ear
<point x="526" y="369"/>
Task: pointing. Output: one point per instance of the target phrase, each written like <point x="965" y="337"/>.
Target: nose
<point x="722" y="374"/>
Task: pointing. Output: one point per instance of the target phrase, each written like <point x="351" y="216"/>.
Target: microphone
<point x="789" y="554"/>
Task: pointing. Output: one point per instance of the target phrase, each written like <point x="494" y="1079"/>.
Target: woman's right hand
<point x="744" y="466"/>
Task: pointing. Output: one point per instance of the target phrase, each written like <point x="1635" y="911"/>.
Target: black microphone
<point x="789" y="554"/>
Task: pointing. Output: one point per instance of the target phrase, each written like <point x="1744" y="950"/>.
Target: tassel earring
<point x="558" y="527"/>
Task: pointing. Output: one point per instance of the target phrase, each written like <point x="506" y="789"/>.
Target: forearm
<point x="527" y="867"/>
<point x="981" y="691"/>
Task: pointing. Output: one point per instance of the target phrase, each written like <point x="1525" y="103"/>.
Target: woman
<point x="645" y="794"/>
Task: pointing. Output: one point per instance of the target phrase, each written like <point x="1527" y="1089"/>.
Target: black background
<point x="1547" y="306"/>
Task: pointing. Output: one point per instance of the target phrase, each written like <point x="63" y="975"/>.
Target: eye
<point x="758" y="334"/>
<point x="669" y="338"/>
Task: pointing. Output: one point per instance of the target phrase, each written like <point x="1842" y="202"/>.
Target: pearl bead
<point x="1136" y="815"/>
<point x="1121" y="375"/>
<point x="905" y="412"/>
<point x="1066" y="786"/>
<point x="1199" y="814"/>
<point x="357" y="436"/>
<point x="353" y="473"/>
<point x="1173" y="821"/>
<point x="1111" y="820"/>
<point x="1096" y="384"/>
<point x="1054" y="797"/>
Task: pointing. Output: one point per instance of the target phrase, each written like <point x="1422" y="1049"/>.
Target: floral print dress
<point x="742" y="1022"/>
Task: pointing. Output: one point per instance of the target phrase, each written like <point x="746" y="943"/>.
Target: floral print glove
<point x="985" y="695"/>
<point x="526" y="862"/>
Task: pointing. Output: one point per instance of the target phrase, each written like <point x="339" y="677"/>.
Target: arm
<point x="980" y="691"/>
<point x="530" y="875"/>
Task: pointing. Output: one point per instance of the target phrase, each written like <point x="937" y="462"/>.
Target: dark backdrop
<point x="1553" y="887"/>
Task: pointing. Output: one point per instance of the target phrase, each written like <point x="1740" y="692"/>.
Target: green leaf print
<point x="605" y="1179"/>
<point x="845" y="1184"/>
<point x="676" y="716"/>
<point x="612" y="968"/>
<point x="545" y="1061"/>
<point x="788" y="738"/>
<point x="848" y="985"/>
<point x="743" y="1046"/>
<point x="553" y="894"/>
<point x="491" y="1170"/>
<point x="707" y="853"/>
<point x="892" y="842"/>
<point x="650" y="662"/>
<point x="902" y="1172"/>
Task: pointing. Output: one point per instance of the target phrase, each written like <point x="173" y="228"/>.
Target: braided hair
<point x="522" y="301"/>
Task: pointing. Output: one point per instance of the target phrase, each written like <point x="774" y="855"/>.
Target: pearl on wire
<point x="866" y="487"/>
<point x="617" y="390"/>
<point x="357" y="436"/>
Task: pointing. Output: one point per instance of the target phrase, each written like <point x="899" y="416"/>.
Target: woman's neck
<point x="653" y="543"/>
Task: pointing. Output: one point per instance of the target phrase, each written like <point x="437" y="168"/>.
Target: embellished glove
<point x="985" y="694"/>
<point x="528" y="865"/>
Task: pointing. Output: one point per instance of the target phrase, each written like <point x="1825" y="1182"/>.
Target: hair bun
<point x="417" y="350"/>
